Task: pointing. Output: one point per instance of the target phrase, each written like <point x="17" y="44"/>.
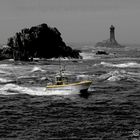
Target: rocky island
<point x="39" y="41"/>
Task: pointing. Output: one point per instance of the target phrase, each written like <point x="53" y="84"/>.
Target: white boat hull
<point x="74" y="88"/>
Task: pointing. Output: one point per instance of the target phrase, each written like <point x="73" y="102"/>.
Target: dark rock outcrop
<point x="5" y="52"/>
<point x="39" y="41"/>
<point x="101" y="53"/>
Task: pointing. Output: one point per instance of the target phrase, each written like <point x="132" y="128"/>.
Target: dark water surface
<point x="111" y="110"/>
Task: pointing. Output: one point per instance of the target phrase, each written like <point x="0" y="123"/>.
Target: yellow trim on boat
<point x="72" y="84"/>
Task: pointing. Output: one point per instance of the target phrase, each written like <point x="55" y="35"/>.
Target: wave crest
<point x="119" y="75"/>
<point x="122" y="65"/>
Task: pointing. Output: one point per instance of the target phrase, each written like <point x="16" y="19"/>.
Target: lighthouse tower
<point x="111" y="42"/>
<point x="112" y="34"/>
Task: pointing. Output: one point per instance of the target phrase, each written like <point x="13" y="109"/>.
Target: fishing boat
<point x="62" y="86"/>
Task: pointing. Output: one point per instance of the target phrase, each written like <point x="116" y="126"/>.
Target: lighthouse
<point x="111" y="42"/>
<point x="112" y="34"/>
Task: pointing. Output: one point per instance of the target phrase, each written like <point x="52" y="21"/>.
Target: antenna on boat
<point x="60" y="68"/>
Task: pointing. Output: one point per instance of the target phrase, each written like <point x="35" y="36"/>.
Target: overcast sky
<point x="77" y="20"/>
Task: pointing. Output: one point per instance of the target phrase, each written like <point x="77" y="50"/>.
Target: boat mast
<point x="60" y="68"/>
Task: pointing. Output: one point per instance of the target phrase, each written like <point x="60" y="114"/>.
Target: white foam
<point x="43" y="78"/>
<point x="87" y="55"/>
<point x="4" y="72"/>
<point x="119" y="75"/>
<point x="83" y="76"/>
<point x="122" y="65"/>
<point x="117" y="78"/>
<point x="4" y="65"/>
<point x="60" y="58"/>
<point x="9" y="89"/>
<point x="35" y="69"/>
<point x="106" y="64"/>
<point x="4" y="81"/>
<point x="26" y="77"/>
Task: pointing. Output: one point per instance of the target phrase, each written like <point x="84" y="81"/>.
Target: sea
<point x="110" y="110"/>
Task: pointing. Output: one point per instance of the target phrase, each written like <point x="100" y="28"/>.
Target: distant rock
<point x="5" y="52"/>
<point x="101" y="53"/>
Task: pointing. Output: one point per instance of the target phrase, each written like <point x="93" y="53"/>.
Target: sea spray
<point x="9" y="89"/>
<point x="37" y="69"/>
<point x="5" y="81"/>
<point x="122" y="65"/>
<point x="87" y="55"/>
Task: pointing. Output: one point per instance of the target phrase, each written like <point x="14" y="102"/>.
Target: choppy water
<point x="111" y="109"/>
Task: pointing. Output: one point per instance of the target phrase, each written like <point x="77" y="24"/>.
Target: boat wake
<point x="10" y="89"/>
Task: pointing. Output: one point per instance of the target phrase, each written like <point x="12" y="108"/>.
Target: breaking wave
<point x="122" y="65"/>
<point x="84" y="77"/>
<point x="87" y="55"/>
<point x="5" y="81"/>
<point x="37" y="69"/>
<point x="4" y="65"/>
<point x="119" y="75"/>
<point x="4" y="72"/>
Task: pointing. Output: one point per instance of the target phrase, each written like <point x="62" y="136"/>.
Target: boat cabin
<point x="61" y="80"/>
